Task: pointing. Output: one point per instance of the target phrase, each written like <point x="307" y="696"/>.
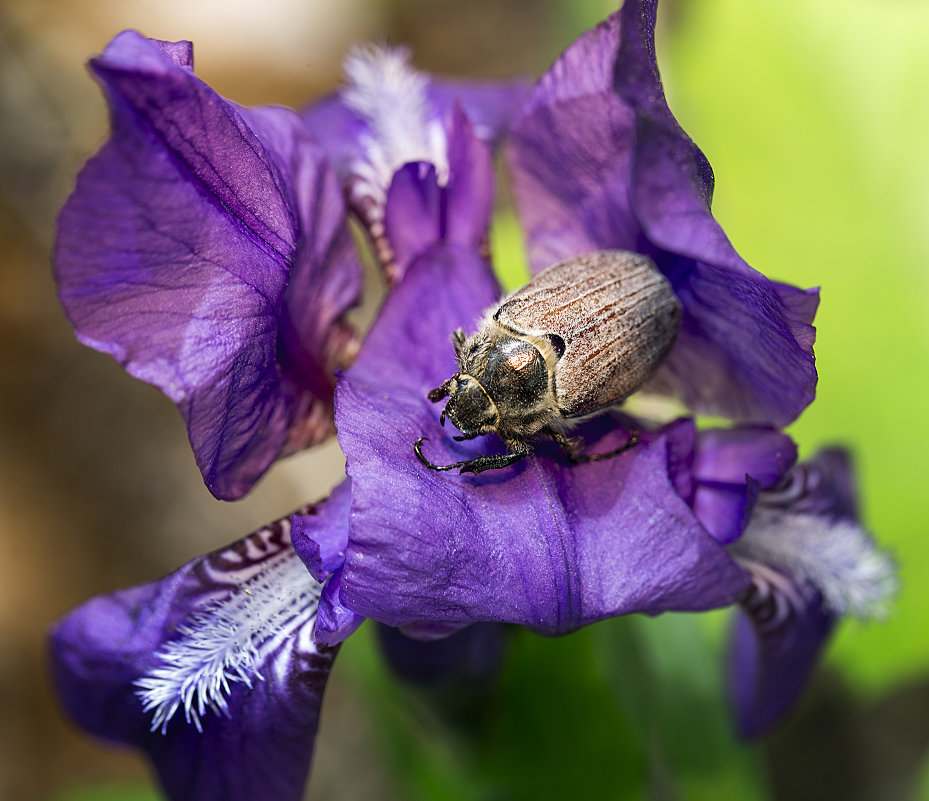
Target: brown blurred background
<point x="98" y="488"/>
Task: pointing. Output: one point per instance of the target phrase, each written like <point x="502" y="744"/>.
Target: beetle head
<point x="469" y="407"/>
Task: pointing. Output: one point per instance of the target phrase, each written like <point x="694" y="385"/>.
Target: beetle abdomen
<point x="617" y="316"/>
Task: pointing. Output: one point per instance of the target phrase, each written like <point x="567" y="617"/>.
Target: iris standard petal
<point x="212" y="671"/>
<point x="545" y="544"/>
<point x="204" y="247"/>
<point x="598" y="161"/>
<point x="423" y="209"/>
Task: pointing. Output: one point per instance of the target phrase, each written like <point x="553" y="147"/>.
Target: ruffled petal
<point x="224" y="642"/>
<point x="205" y="248"/>
<point x="732" y="466"/>
<point x="320" y="537"/>
<point x="598" y="161"/>
<point x="544" y="544"/>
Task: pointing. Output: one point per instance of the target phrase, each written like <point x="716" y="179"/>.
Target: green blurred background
<point x="815" y="117"/>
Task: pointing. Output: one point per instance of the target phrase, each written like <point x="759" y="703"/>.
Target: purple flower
<point x="205" y="248"/>
<point x="598" y="162"/>
<point x="217" y="671"/>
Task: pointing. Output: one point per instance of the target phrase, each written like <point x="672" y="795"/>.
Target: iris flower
<point x="205" y="247"/>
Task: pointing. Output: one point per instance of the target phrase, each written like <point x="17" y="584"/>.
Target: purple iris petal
<point x="489" y="105"/>
<point x="320" y="534"/>
<point x="598" y="161"/>
<point x="413" y="213"/>
<point x="226" y="642"/>
<point x="205" y="248"/>
<point x="731" y="467"/>
<point x="543" y="543"/>
<point x="335" y="621"/>
<point x="413" y="153"/>
<point x="823" y="485"/>
<point x="421" y="212"/>
<point x="778" y="636"/>
<point x="810" y="562"/>
<point x="320" y="537"/>
<point x="470" y="189"/>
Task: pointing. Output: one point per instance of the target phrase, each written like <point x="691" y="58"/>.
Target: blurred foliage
<point x="109" y="792"/>
<point x="627" y="709"/>
<point x="506" y="240"/>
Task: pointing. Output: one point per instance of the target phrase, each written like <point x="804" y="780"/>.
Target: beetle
<point x="580" y="337"/>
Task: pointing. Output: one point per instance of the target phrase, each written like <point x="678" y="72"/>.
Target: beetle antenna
<point x="435" y="395"/>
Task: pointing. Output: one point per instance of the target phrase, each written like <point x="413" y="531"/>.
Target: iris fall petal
<point x="212" y="671"/>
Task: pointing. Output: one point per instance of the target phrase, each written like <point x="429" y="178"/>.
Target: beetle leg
<point x="568" y="447"/>
<point x="418" y="450"/>
<point x="465" y="437"/>
<point x="477" y="465"/>
<point x="596" y="457"/>
<point x="571" y="454"/>
<point x="495" y="462"/>
<point x="458" y="340"/>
